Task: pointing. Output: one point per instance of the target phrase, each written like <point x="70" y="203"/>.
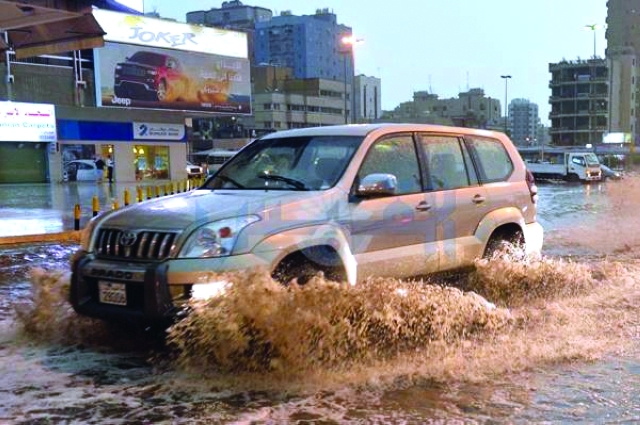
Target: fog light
<point x="180" y="292"/>
<point x="204" y="291"/>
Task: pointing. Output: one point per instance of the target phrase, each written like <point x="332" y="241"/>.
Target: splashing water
<point x="548" y="310"/>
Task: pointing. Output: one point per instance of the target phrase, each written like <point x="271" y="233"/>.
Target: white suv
<point x="351" y="201"/>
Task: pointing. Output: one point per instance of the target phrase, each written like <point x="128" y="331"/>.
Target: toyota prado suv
<point x="384" y="200"/>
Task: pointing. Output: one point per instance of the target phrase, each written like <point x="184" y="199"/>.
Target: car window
<point x="288" y="163"/>
<point x="579" y="160"/>
<point x="491" y="158"/>
<point x="446" y="166"/>
<point x="394" y="155"/>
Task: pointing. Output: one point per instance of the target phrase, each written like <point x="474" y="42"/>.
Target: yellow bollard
<point x="115" y="205"/>
<point x="127" y="197"/>
<point x="76" y="217"/>
<point x="95" y="204"/>
<point x="157" y="191"/>
<point x="149" y="192"/>
<point x="166" y="189"/>
<point x="140" y="194"/>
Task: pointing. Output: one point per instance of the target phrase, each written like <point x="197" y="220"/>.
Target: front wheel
<point x="573" y="178"/>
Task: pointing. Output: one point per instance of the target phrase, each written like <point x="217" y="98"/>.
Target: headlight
<point x="215" y="239"/>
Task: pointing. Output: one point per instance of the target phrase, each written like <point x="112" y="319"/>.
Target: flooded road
<point x="552" y="340"/>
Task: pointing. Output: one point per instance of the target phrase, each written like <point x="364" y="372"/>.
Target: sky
<point x="448" y="46"/>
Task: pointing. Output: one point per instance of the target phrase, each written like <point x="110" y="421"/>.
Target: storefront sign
<point x="146" y="31"/>
<point x="155" y="131"/>
<point x="131" y="76"/>
<point x="27" y="122"/>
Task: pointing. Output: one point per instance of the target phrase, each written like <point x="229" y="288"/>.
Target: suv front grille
<point x="133" y="70"/>
<point x="145" y="245"/>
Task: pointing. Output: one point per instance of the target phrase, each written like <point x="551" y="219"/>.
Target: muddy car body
<point x="352" y="202"/>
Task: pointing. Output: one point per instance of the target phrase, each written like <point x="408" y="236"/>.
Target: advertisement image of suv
<point x="150" y="76"/>
<point x="352" y="202"/>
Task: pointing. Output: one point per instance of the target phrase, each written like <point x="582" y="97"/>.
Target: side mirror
<point x="377" y="185"/>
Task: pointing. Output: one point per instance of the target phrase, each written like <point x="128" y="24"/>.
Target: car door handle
<point x="478" y="199"/>
<point x="423" y="206"/>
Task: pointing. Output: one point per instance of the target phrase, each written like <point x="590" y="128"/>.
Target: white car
<point x="79" y="170"/>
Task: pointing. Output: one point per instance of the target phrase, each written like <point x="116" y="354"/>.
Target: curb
<point x="69" y="236"/>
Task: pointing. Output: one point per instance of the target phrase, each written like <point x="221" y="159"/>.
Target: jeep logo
<point x="114" y="274"/>
<point x="124" y="101"/>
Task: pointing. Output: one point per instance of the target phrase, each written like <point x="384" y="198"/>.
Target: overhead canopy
<point x="36" y="30"/>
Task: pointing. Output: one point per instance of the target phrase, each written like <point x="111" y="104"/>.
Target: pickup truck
<point x="569" y="166"/>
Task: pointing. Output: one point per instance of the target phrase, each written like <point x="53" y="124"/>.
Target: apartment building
<point x="281" y="102"/>
<point x="623" y="55"/>
<point x="524" y="122"/>
<point x="470" y="109"/>
<point x="367" y="99"/>
<point x="579" y="102"/>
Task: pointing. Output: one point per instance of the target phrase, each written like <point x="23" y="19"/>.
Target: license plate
<point x="112" y="293"/>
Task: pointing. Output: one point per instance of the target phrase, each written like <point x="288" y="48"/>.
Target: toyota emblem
<point x="128" y="239"/>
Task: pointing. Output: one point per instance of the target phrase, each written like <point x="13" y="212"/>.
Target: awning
<point x="35" y="30"/>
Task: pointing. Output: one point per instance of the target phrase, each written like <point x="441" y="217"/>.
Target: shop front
<point x="138" y="151"/>
<point x="27" y="140"/>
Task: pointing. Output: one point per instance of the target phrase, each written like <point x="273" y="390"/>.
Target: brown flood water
<point x="546" y="340"/>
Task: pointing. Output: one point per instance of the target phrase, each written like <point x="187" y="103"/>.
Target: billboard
<point x="153" y="32"/>
<point x="27" y="122"/>
<point x="134" y="76"/>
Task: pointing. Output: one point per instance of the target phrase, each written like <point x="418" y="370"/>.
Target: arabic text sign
<point x="27" y="122"/>
<point x="132" y="76"/>
<point x="157" y="131"/>
<point x="146" y="31"/>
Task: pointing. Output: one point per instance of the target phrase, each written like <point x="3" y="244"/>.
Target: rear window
<point x="491" y="159"/>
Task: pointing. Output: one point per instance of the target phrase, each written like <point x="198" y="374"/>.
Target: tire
<point x="503" y="242"/>
<point x="573" y="178"/>
<point x="161" y="91"/>
<point x="308" y="263"/>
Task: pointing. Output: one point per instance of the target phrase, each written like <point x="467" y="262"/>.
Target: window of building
<point x="151" y="162"/>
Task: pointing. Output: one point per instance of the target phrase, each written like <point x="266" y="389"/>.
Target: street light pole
<point x="348" y="43"/>
<point x="593" y="28"/>
<point x="506" y="110"/>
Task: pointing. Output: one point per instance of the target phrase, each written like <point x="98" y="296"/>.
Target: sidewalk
<point x="42" y="211"/>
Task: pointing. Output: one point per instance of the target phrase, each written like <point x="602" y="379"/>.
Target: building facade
<point x="233" y="15"/>
<point x="470" y="109"/>
<point x="579" y="102"/>
<point x="102" y="102"/>
<point x="281" y="102"/>
<point x="623" y="56"/>
<point x="367" y="99"/>
<point x="311" y="45"/>
<point x="524" y="122"/>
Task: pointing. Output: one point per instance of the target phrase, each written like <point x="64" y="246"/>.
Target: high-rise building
<point x="233" y="15"/>
<point x="367" y="99"/>
<point x="623" y="55"/>
<point x="579" y="102"/>
<point x="523" y="122"/>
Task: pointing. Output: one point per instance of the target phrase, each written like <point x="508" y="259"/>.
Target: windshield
<point x="290" y="163"/>
<point x="592" y="159"/>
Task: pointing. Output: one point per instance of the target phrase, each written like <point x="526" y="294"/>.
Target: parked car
<point x="609" y="173"/>
<point x="352" y="202"/>
<point x="150" y="76"/>
<point x="79" y="170"/>
<point x="194" y="171"/>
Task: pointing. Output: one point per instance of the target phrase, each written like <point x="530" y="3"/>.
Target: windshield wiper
<point x="230" y="180"/>
<point x="292" y="182"/>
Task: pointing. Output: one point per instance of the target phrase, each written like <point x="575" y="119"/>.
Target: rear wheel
<point x="504" y="242"/>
